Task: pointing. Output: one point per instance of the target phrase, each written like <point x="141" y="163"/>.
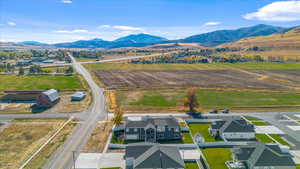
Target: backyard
<point x="216" y="157"/>
<point x="202" y="128"/>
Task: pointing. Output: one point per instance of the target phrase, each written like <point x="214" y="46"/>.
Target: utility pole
<point x="74" y="161"/>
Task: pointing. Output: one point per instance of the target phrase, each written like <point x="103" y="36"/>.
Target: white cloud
<point x="212" y="23"/>
<point x="72" y="31"/>
<point x="121" y="27"/>
<point x="11" y="23"/>
<point x="282" y="11"/>
<point x="104" y="26"/>
<point x="67" y="1"/>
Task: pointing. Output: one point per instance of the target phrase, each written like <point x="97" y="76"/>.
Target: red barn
<point x="48" y="98"/>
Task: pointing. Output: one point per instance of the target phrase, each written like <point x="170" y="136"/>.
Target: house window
<point x="135" y="129"/>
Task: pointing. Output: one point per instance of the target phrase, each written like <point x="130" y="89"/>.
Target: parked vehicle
<point x="225" y="111"/>
<point x="214" y="111"/>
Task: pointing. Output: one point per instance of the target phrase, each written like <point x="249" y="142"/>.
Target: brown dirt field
<point x="184" y="78"/>
<point x="97" y="140"/>
<point x="291" y="76"/>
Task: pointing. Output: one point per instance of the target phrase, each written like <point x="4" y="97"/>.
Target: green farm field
<point x="15" y="82"/>
<point x="134" y="100"/>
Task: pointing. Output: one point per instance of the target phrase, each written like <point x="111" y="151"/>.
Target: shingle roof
<point x="171" y="122"/>
<point x="260" y="154"/>
<point x="233" y="125"/>
<point x="148" y="155"/>
<point x="52" y="94"/>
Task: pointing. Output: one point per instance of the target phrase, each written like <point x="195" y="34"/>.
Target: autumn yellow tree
<point x="190" y="100"/>
<point x="118" y="116"/>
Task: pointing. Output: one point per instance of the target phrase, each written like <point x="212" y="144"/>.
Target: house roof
<point x="261" y="154"/>
<point x="148" y="155"/>
<point x="233" y="125"/>
<point x="52" y="94"/>
<point x="78" y="94"/>
<point x="159" y="122"/>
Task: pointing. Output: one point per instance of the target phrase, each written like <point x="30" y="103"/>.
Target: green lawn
<point x="186" y="138"/>
<point x="203" y="130"/>
<point x="124" y="66"/>
<point x="216" y="157"/>
<point x="264" y="138"/>
<point x="298" y="166"/>
<point x="154" y="100"/>
<point x="191" y="165"/>
<point x="14" y="82"/>
<point x="256" y="121"/>
<point x="279" y="139"/>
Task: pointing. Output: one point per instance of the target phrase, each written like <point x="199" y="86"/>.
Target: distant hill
<point x="141" y="38"/>
<point x="33" y="43"/>
<point x="224" y="36"/>
<point x="280" y="41"/>
<point x="93" y="43"/>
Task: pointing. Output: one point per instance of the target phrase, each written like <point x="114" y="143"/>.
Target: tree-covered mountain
<point x="93" y="43"/>
<point x="141" y="38"/>
<point x="224" y="36"/>
<point x="210" y="39"/>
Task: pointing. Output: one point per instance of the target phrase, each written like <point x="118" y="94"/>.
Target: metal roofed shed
<point x="78" y="96"/>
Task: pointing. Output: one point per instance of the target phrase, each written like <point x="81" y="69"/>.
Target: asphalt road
<point x="63" y="157"/>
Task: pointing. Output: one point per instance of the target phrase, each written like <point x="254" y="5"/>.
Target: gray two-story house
<point x="153" y="129"/>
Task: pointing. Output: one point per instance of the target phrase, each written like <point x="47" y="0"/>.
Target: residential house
<point x="232" y="129"/>
<point x="48" y="98"/>
<point x="261" y="156"/>
<point x="153" y="129"/>
<point x="153" y="156"/>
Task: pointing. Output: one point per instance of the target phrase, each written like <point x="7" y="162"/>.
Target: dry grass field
<point x="97" y="141"/>
<point x="281" y="41"/>
<point x="23" y="137"/>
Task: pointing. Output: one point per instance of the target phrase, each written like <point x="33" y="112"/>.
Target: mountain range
<point x="210" y="39"/>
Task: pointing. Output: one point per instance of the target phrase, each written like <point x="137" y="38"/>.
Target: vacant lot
<point x="14" y="82"/>
<point x="23" y="137"/>
<point x="183" y="78"/>
<point x="172" y="100"/>
<point x="98" y="139"/>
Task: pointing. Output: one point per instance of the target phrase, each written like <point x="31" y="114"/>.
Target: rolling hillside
<point x="280" y="41"/>
<point x="224" y="36"/>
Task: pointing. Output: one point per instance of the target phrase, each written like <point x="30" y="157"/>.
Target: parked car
<point x="214" y="111"/>
<point x="225" y="111"/>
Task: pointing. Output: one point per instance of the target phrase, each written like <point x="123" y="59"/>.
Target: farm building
<point x="48" y="98"/>
<point x="78" y="96"/>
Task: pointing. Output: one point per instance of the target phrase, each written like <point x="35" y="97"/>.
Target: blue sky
<point x="54" y="21"/>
